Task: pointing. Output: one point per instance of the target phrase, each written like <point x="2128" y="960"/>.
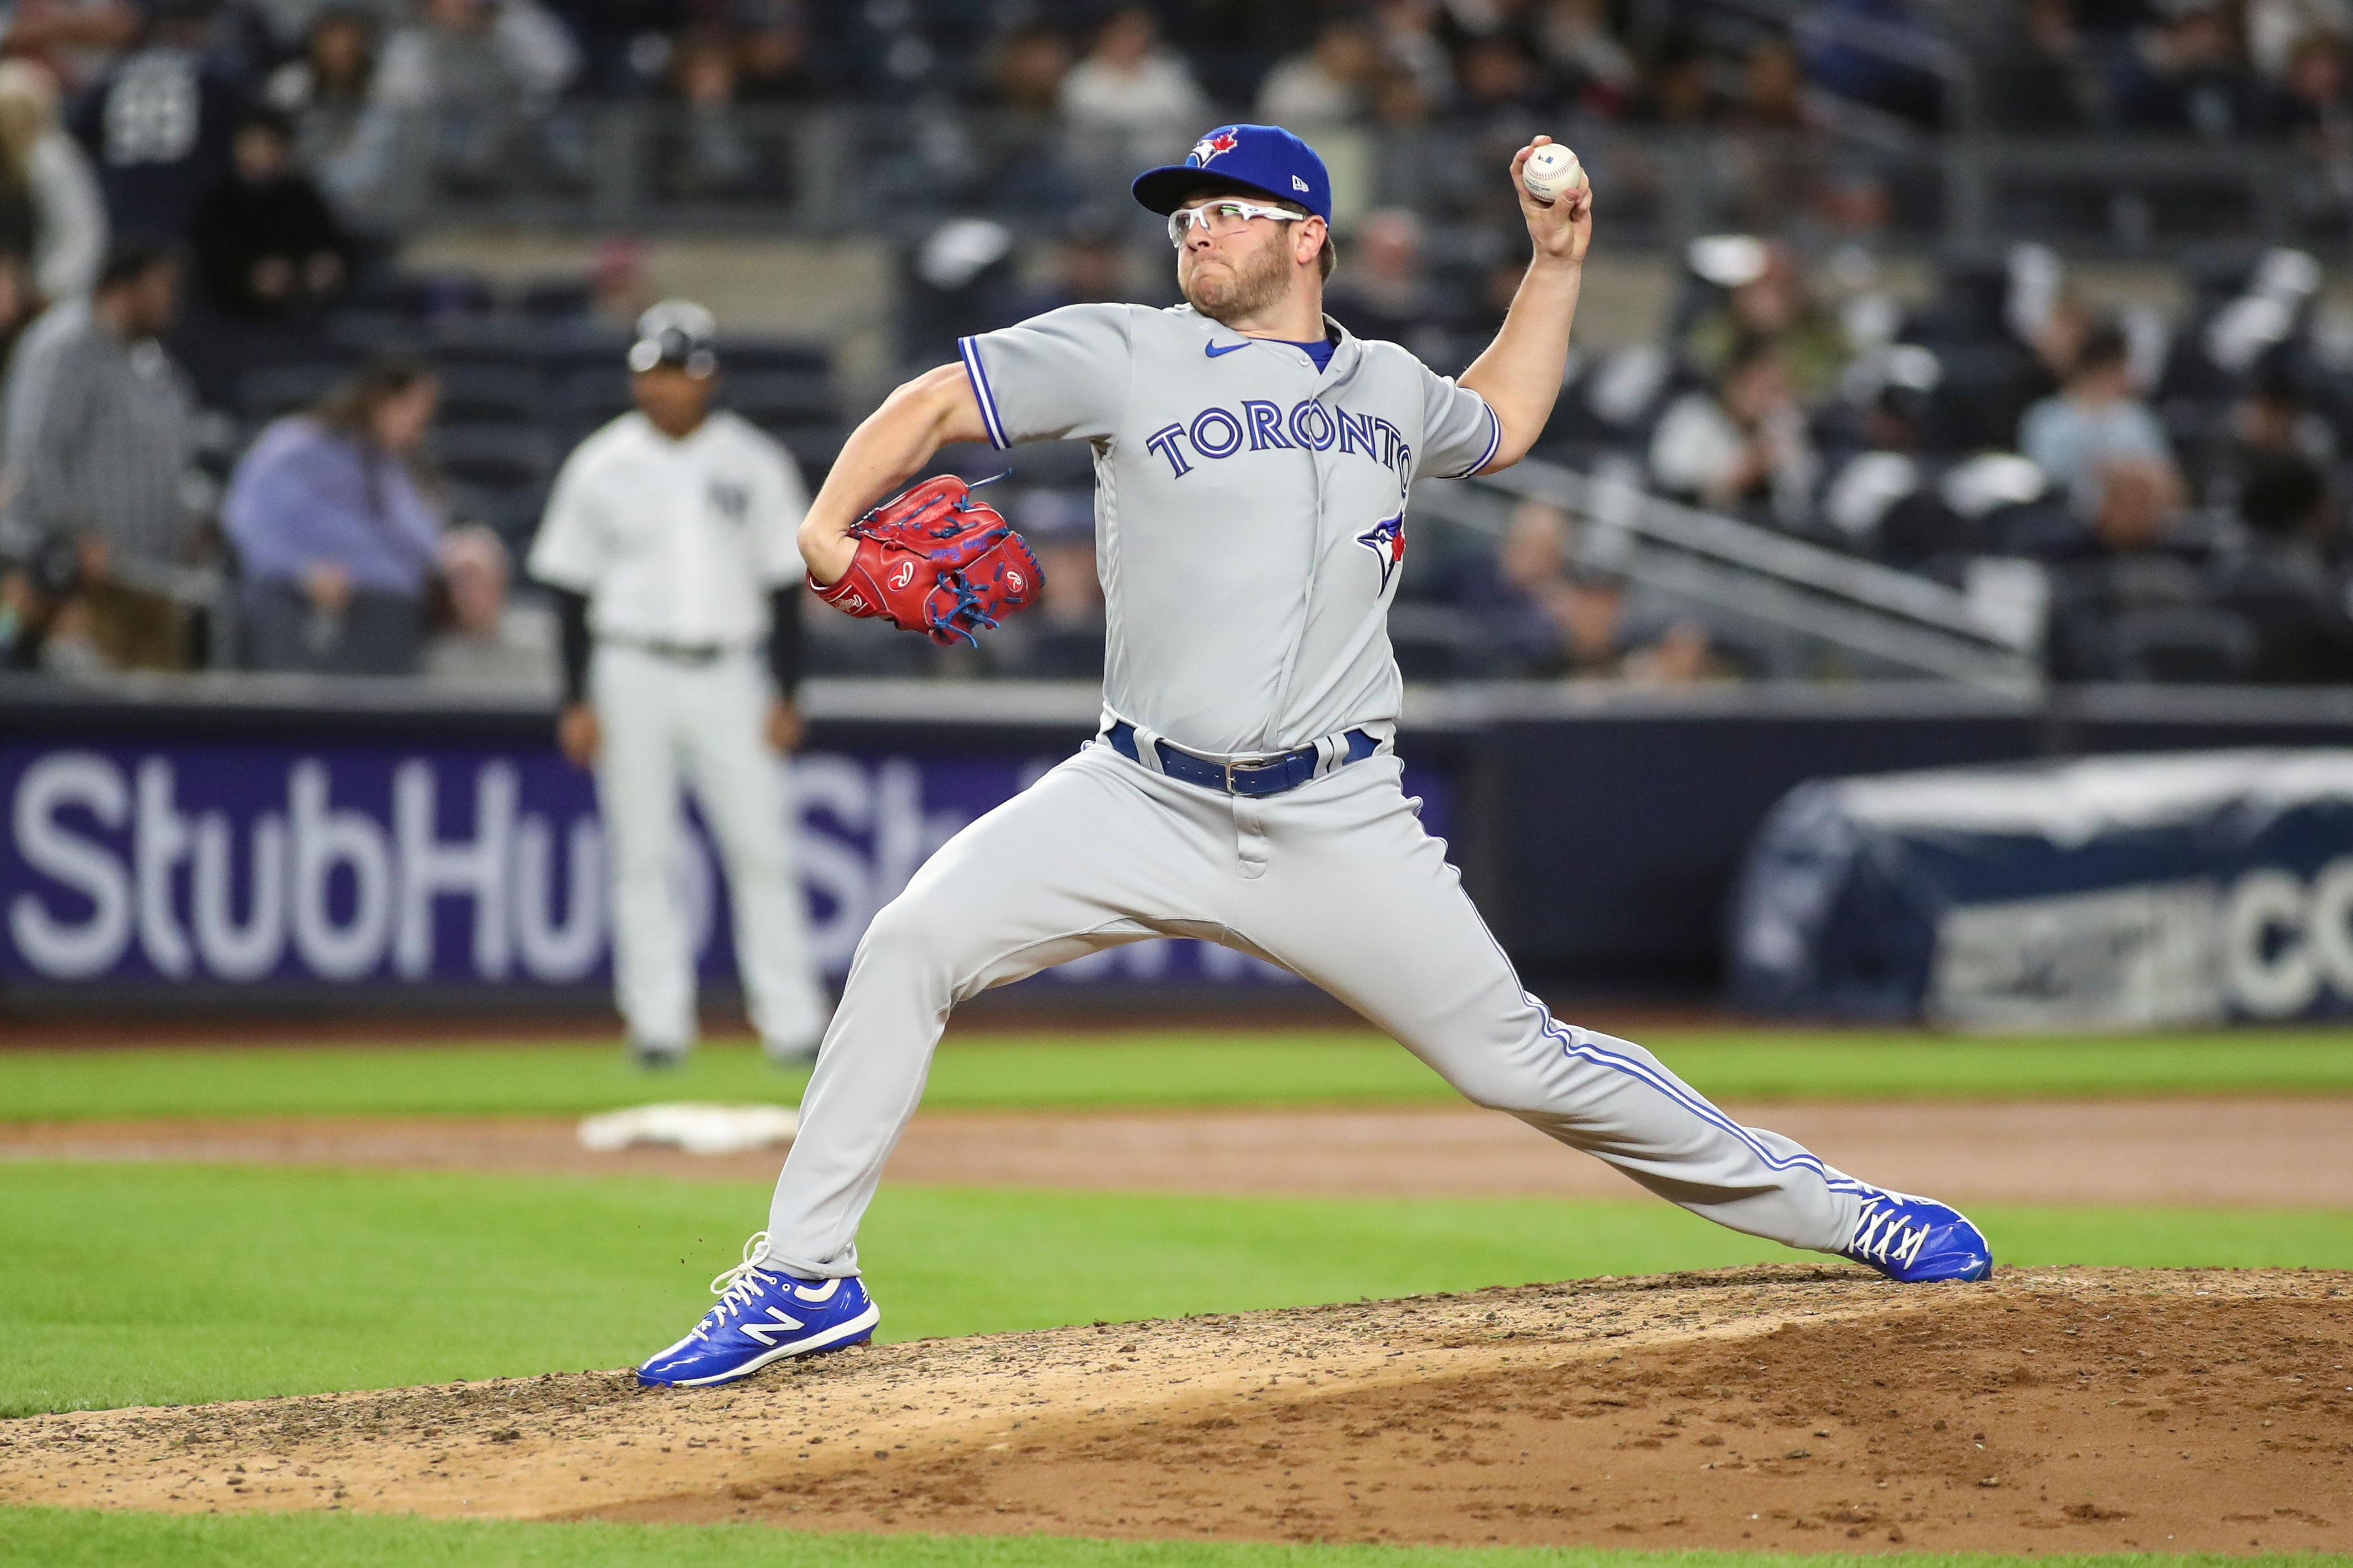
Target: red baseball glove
<point x="934" y="560"/>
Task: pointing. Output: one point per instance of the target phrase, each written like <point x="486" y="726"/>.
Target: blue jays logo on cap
<point x="1263" y="158"/>
<point x="1209" y="146"/>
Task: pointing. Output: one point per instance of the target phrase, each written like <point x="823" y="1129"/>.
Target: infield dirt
<point x="2272" y="1151"/>
<point x="1787" y="1407"/>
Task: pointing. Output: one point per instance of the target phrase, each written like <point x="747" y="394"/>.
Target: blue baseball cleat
<point x="1915" y="1240"/>
<point x="764" y="1316"/>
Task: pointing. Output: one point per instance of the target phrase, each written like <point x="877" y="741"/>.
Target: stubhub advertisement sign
<point x="247" y="865"/>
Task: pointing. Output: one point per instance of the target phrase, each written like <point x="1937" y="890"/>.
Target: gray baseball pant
<point x="1335" y="880"/>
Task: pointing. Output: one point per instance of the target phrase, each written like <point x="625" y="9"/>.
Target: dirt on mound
<point x="1791" y="1408"/>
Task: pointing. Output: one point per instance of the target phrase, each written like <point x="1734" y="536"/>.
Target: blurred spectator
<point x="2095" y="420"/>
<point x="2185" y="74"/>
<point x="2131" y="605"/>
<point x="264" y="241"/>
<point x="1551" y="619"/>
<point x="51" y="214"/>
<point x="713" y="155"/>
<point x="337" y="535"/>
<point x="345" y="135"/>
<point x="1772" y="88"/>
<point x="1765" y="296"/>
<point x="77" y="38"/>
<point x="2310" y="105"/>
<point x="1680" y="88"/>
<point x="99" y="435"/>
<point x="623" y="44"/>
<point x="1090" y="268"/>
<point x="1398" y="101"/>
<point x="1329" y="84"/>
<point x="1744" y="441"/>
<point x="1386" y="291"/>
<point x="1408" y="34"/>
<point x="484" y="70"/>
<point x="492" y="640"/>
<point x="2139" y="502"/>
<point x="771" y="51"/>
<point x="1591" y="71"/>
<point x="620" y="286"/>
<point x="159" y="125"/>
<point x="1027" y="67"/>
<point x="2275" y="28"/>
<point x="1137" y="98"/>
<point x="2282" y="583"/>
<point x="2033" y="73"/>
<point x="1062" y="637"/>
<point x="1879" y="500"/>
<point x="1495" y="79"/>
<point x="2275" y="420"/>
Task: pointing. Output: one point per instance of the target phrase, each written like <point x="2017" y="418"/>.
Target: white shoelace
<point x="1885" y="1237"/>
<point x="736" y="1287"/>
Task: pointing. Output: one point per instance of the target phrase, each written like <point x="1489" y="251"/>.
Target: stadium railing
<point x="1845" y="615"/>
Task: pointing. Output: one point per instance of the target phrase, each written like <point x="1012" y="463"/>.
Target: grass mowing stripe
<point x="59" y="1538"/>
<point x="158" y="1284"/>
<point x="1177" y="1069"/>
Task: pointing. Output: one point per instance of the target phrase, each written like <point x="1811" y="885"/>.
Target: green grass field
<point x="150" y="1283"/>
<point x="1285" y="1068"/>
<point x="157" y="1284"/>
<point x="57" y="1538"/>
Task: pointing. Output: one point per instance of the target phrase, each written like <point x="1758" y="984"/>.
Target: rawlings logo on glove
<point x="936" y="561"/>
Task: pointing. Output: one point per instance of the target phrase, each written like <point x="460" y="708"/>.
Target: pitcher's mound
<point x="2077" y="1410"/>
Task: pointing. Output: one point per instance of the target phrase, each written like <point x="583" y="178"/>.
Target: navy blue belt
<point x="1267" y="775"/>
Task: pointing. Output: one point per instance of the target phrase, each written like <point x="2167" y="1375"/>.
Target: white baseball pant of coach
<point x="1335" y="880"/>
<point x="665" y="722"/>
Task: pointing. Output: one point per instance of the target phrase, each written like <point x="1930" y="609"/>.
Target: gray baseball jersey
<point x="1251" y="522"/>
<point x="1250" y="511"/>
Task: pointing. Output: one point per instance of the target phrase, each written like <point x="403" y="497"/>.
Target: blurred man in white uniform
<point x="670" y="544"/>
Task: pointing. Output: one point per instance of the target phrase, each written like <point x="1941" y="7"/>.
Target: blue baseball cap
<point x="1264" y="158"/>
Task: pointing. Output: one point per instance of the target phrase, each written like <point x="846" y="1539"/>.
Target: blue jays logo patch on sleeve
<point x="1386" y="539"/>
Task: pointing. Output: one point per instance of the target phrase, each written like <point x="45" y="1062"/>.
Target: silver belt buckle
<point x="1233" y="768"/>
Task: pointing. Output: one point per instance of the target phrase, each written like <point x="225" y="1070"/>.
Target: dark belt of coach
<point x="675" y="652"/>
<point x="1267" y="775"/>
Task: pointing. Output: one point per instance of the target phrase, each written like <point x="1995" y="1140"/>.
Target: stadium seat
<point x="492" y="395"/>
<point x="747" y="357"/>
<point x="269" y="392"/>
<point x="497" y="474"/>
<point x="771" y="398"/>
<point x="553" y="299"/>
<point x="587" y="398"/>
<point x="426" y="295"/>
<point x="2182" y="646"/>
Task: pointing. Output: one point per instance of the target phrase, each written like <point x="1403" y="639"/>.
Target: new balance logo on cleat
<point x="768" y="1333"/>
<point x="749" y="1327"/>
<point x="1915" y="1240"/>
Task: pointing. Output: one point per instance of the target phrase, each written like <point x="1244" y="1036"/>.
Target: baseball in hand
<point x="1552" y="172"/>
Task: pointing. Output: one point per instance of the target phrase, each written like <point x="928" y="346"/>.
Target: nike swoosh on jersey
<point x="1216" y="350"/>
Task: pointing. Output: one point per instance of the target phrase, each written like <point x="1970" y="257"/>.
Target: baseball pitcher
<point x="1252" y="465"/>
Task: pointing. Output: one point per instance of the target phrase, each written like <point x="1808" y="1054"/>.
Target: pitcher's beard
<point x="1236" y="294"/>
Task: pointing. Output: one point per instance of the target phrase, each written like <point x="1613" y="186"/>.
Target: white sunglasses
<point x="1223" y="217"/>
